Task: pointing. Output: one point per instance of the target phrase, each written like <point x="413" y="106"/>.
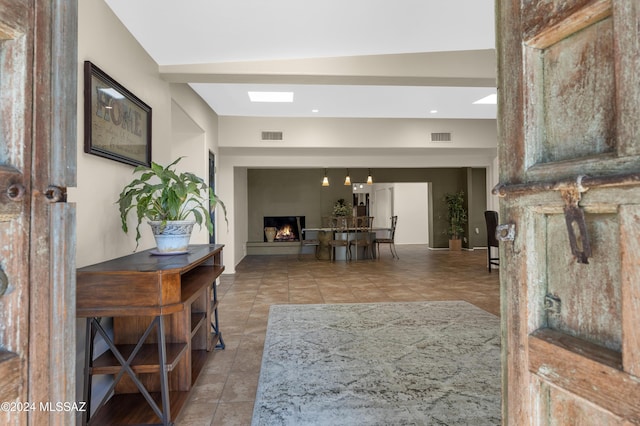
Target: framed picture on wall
<point x="117" y="125"/>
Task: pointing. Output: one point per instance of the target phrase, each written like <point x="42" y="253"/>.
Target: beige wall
<point x="359" y="133"/>
<point x="104" y="41"/>
<point x="309" y="143"/>
<point x="182" y="125"/>
<point x="194" y="130"/>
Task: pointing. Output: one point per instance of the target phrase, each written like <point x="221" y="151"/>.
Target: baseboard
<point x="261" y="248"/>
<point x="463" y="248"/>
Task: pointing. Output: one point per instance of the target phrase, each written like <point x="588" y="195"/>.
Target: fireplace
<point x="286" y="227"/>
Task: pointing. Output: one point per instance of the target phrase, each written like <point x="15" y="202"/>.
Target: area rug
<point x="421" y="363"/>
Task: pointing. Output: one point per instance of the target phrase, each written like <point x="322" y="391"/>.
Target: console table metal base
<point x="93" y="327"/>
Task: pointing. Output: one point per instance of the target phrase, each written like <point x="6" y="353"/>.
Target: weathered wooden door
<point x="38" y="65"/>
<point x="569" y="152"/>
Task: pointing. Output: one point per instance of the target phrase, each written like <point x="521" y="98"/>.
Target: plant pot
<point x="455" y="245"/>
<point x="173" y="237"/>
<point x="270" y="233"/>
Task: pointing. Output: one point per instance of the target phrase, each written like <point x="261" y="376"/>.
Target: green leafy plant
<point x="161" y="194"/>
<point x="456" y="214"/>
<point x="342" y="208"/>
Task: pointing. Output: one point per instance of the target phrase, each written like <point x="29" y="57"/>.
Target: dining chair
<point x="339" y="235"/>
<point x="390" y="240"/>
<point x="306" y="242"/>
<point x="362" y="235"/>
<point x="491" y="220"/>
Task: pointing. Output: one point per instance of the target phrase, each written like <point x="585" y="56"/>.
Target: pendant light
<point x="325" y="179"/>
<point x="347" y="180"/>
<point x="369" y="178"/>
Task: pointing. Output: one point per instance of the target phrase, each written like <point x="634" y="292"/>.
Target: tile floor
<point x="225" y="391"/>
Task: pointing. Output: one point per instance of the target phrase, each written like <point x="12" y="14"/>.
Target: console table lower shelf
<point x="165" y="322"/>
<point x="133" y="409"/>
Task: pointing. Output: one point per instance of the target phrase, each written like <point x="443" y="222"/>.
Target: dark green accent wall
<point x="477" y="205"/>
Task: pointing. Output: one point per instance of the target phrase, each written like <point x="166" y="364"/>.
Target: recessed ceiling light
<point x="487" y="100"/>
<point x="271" y="96"/>
<point x="433" y="111"/>
<point x="315" y="110"/>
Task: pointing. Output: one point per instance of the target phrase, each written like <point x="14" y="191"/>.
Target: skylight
<point x="271" y="96"/>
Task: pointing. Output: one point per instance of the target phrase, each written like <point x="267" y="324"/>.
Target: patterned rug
<point x="421" y="363"/>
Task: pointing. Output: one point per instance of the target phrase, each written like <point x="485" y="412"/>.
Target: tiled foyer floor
<point x="225" y="391"/>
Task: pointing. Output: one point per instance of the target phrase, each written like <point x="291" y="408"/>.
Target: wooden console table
<point x="153" y="372"/>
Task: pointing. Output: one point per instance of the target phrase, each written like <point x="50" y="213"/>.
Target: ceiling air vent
<point x="271" y="136"/>
<point x="441" y="137"/>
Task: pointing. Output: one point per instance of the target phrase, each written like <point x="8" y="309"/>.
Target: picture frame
<point x="117" y="124"/>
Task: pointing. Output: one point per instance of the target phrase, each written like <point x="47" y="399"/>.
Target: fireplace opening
<point x="286" y="227"/>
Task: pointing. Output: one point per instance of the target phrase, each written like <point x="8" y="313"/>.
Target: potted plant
<point x="342" y="208"/>
<point x="172" y="203"/>
<point x="457" y="218"/>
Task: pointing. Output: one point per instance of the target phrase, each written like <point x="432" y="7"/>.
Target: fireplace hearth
<point x="286" y="227"/>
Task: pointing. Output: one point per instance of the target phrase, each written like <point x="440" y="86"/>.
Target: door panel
<point x="38" y="68"/>
<point x="589" y="299"/>
<point x="14" y="212"/>
<point x="52" y="319"/>
<point x="574" y="69"/>
<point x="565" y="409"/>
<point x="570" y="177"/>
<point x="579" y="72"/>
<point x="630" y="277"/>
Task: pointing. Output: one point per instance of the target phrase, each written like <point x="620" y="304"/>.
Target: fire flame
<point x="285" y="233"/>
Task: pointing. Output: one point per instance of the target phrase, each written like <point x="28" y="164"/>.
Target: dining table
<point x="326" y="234"/>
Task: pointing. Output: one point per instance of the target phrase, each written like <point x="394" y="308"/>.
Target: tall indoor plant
<point x="172" y="203"/>
<point x="456" y="218"/>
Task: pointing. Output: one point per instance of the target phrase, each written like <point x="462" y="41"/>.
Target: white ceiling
<point x="355" y="58"/>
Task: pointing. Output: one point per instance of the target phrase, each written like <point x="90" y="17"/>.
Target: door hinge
<point x="56" y="194"/>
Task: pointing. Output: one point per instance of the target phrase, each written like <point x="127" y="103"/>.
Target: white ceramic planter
<point x="174" y="237"/>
